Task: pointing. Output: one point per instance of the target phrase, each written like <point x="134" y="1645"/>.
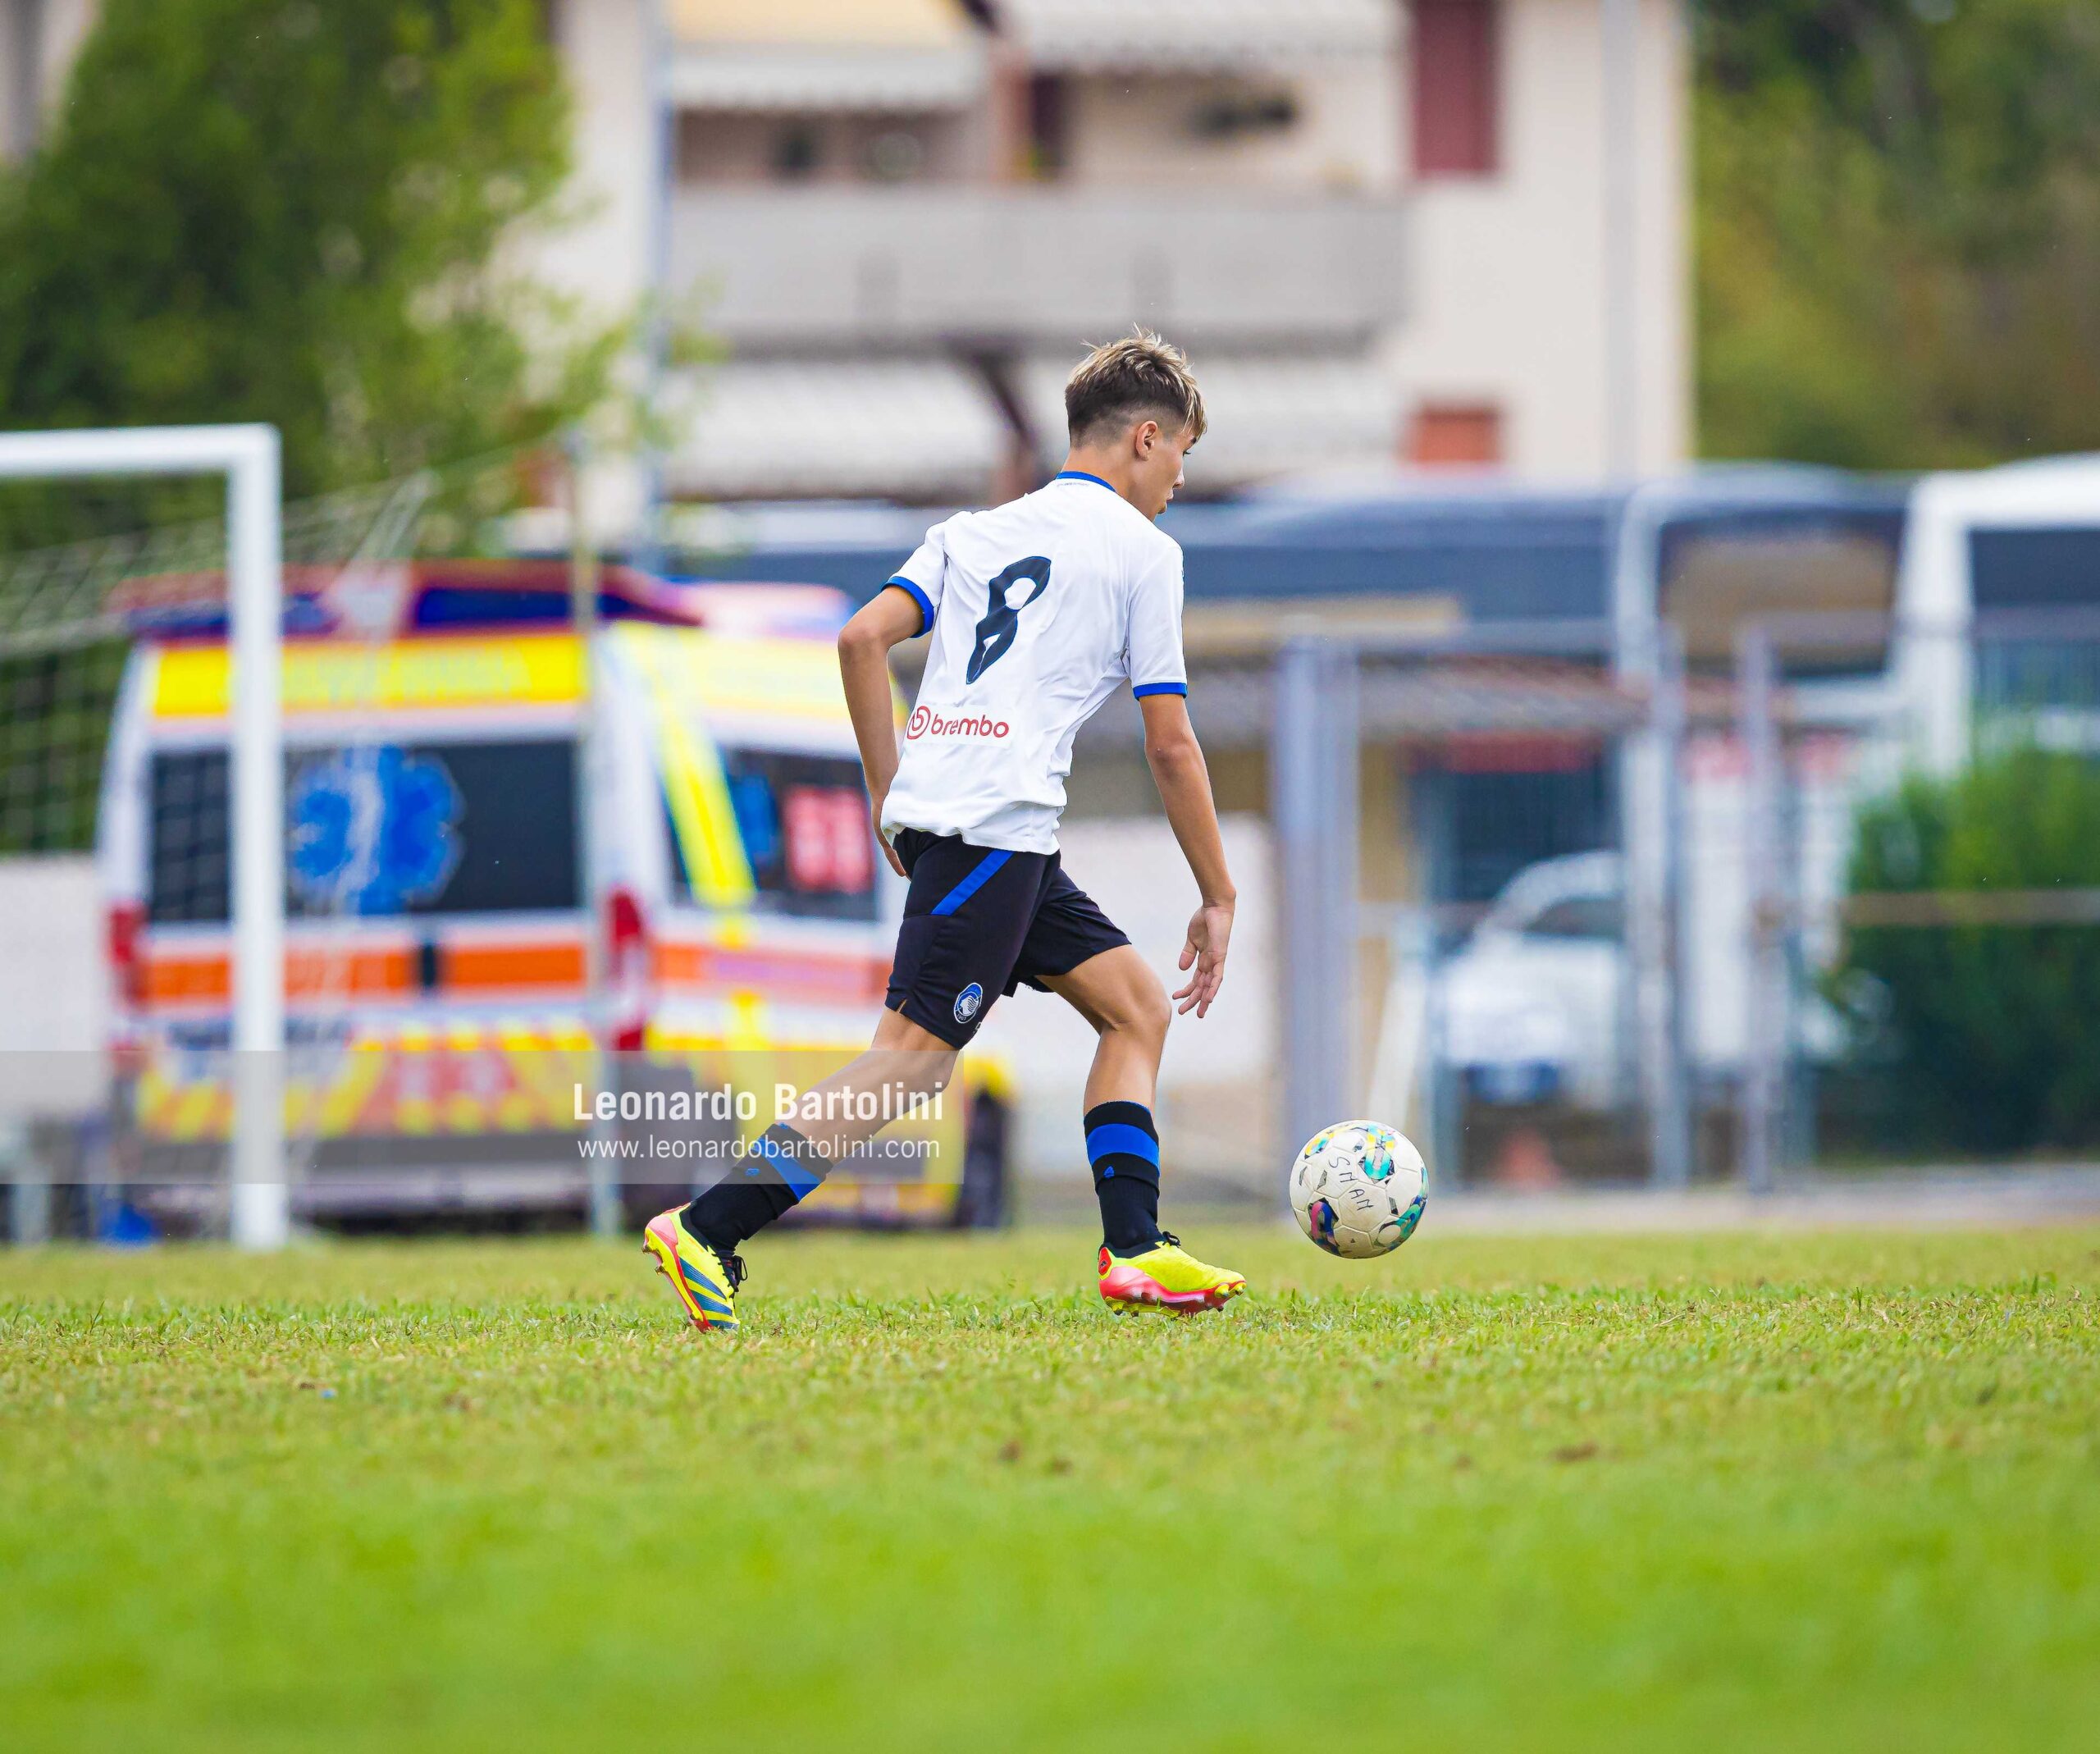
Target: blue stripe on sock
<point x="980" y="875"/>
<point x="797" y="1179"/>
<point x="1119" y="1139"/>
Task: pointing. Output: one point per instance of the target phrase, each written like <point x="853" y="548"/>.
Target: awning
<point x="1194" y="35"/>
<point x="802" y="55"/>
<point x="777" y="80"/>
<point x="837" y="23"/>
<point x="913" y="429"/>
<point x="1270" y="415"/>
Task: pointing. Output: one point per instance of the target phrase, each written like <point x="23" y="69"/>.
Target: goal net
<point x="343" y="850"/>
<point x="150" y="1083"/>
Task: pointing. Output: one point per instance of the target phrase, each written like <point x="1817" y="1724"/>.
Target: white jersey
<point x="1039" y="610"/>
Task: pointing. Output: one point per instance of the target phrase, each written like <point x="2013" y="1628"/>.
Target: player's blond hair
<point x="1137" y="378"/>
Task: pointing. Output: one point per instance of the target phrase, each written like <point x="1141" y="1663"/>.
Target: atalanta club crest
<point x="969" y="1002"/>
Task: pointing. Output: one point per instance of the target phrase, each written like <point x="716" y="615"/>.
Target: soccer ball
<point x="1358" y="1189"/>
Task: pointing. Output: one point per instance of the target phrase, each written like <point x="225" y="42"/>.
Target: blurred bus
<point x="478" y="897"/>
<point x="2000" y="605"/>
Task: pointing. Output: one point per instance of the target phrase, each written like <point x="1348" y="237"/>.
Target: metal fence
<point x="1839" y="911"/>
<point x="1513" y="1000"/>
<point x="1575" y="917"/>
<point x="1921" y="861"/>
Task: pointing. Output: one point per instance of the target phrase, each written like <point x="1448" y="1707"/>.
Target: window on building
<point x="1049" y="113"/>
<point x="893" y="155"/>
<point x="1232" y="112"/>
<point x="1453" y="435"/>
<point x="1455" y="68"/>
<point x="798" y="153"/>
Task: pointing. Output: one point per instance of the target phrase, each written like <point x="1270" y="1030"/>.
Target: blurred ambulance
<point x="490" y="867"/>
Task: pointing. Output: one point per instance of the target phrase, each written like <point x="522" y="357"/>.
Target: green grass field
<point x="1751" y="1491"/>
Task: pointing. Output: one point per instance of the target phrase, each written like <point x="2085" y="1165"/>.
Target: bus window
<point x="804" y="822"/>
<point x="379" y="831"/>
<point x="186" y="874"/>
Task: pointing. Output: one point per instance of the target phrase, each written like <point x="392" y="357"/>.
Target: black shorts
<point x="979" y="922"/>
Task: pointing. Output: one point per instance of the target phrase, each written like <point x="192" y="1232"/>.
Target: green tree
<point x="1986" y="1038"/>
<point x="1898" y="230"/>
<point x="301" y="211"/>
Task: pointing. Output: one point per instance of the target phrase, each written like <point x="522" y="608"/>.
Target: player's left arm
<point x="863" y="648"/>
<point x="1184" y="779"/>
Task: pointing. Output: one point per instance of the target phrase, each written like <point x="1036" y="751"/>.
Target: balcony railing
<point x="814" y="267"/>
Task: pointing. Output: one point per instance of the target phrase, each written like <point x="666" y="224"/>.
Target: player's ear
<point x="1146" y="436"/>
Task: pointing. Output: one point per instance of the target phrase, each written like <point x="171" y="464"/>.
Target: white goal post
<point x="249" y="458"/>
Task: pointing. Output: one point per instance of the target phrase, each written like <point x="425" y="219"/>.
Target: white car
<point x="1531" y="1006"/>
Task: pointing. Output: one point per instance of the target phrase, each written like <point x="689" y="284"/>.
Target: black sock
<point x="1123" y="1146"/>
<point x="781" y="1168"/>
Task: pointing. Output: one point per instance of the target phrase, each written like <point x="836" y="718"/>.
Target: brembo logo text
<point x="925" y="722"/>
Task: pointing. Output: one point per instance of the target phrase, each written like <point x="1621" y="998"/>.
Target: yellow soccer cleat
<point x="1166" y="1278"/>
<point x="705" y="1282"/>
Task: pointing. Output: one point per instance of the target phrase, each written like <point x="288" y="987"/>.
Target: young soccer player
<point x="1037" y="611"/>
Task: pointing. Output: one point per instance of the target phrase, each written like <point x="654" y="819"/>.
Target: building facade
<point x="1448" y="234"/>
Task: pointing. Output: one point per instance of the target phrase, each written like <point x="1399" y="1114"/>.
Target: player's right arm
<point x="1159" y="677"/>
<point x="1184" y="779"/>
<point x="863" y="648"/>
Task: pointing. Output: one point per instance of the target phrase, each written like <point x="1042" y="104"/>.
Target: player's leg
<point x="965" y="917"/>
<point x="1117" y="993"/>
<point x="1075" y="952"/>
<point x="786" y="1162"/>
<point x="904" y="1055"/>
<point x="696" y="1246"/>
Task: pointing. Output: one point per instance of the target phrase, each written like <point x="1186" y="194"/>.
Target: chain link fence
<point x="1921" y="861"/>
<point x="99" y="637"/>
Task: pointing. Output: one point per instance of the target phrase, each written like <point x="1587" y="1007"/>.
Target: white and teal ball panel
<point x="1359" y="1189"/>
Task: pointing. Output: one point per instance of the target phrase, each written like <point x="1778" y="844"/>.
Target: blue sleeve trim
<point x="925" y="602"/>
<point x="1161" y="688"/>
<point x="1118" y="1139"/>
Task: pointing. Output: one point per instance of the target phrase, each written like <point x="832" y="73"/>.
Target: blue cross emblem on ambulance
<point x="373" y="831"/>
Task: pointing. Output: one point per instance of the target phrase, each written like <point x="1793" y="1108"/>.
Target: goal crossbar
<point x="249" y="457"/>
